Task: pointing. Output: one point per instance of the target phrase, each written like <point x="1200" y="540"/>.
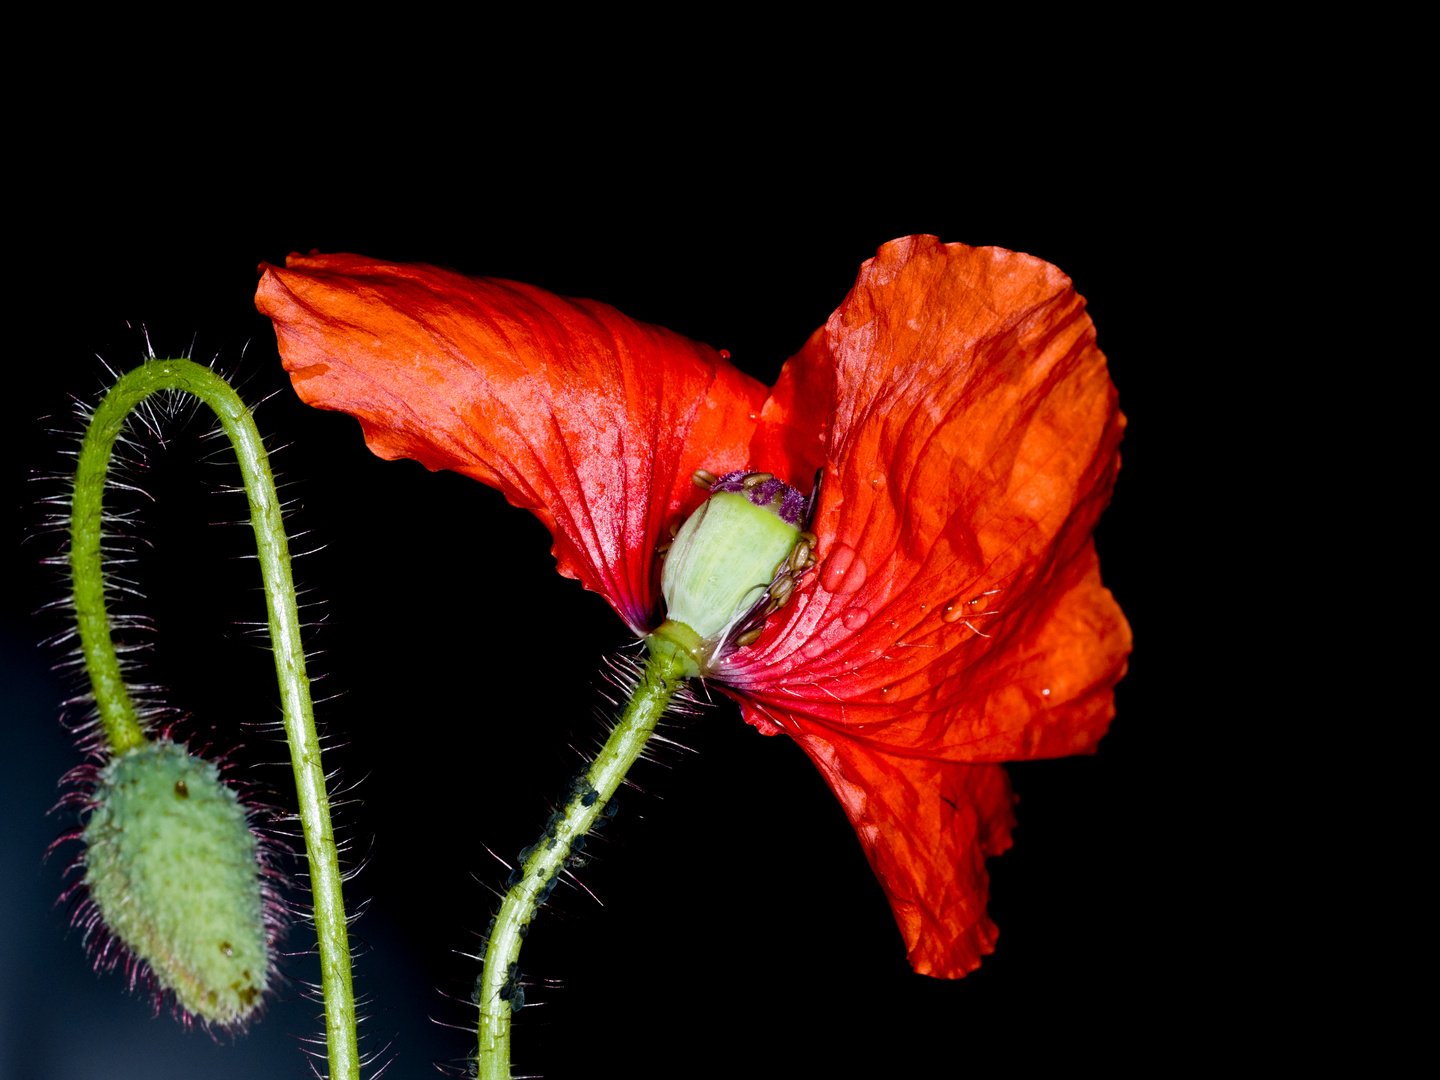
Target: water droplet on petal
<point x="844" y="570"/>
<point x="954" y="612"/>
<point x="813" y="649"/>
<point x="854" y="618"/>
<point x="1046" y="691"/>
<point x="980" y="603"/>
<point x="877" y="480"/>
<point x="724" y="354"/>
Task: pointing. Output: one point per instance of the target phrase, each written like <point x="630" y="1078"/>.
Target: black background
<point x="741" y="927"/>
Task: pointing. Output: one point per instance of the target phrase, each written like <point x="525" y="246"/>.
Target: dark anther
<point x="749" y="637"/>
<point x="756" y="479"/>
<point x="782" y="589"/>
<point x="703" y="478"/>
<point x="800" y="557"/>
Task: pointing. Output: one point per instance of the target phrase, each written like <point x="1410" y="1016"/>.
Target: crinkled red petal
<point x="790" y="440"/>
<point x="592" y="421"/>
<point x="927" y="828"/>
<point x="957" y="611"/>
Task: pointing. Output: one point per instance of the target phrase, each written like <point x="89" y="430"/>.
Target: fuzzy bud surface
<point x="173" y="867"/>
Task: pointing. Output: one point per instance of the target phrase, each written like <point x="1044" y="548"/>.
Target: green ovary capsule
<point x="721" y="563"/>
<point x="173" y="867"/>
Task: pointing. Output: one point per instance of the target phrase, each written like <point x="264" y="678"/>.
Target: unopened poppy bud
<point x="724" y="558"/>
<point x="174" y="869"/>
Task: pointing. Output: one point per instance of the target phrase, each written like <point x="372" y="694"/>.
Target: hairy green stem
<point x="117" y="713"/>
<point x="661" y="678"/>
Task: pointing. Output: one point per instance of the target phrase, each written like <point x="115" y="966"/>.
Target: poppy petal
<point x="590" y="420"/>
<point x="957" y="610"/>
<point x="790" y="439"/>
<point x="927" y="828"/>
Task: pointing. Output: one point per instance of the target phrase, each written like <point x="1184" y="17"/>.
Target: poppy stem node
<point x="118" y="717"/>
<point x="499" y="993"/>
<point x="680" y="642"/>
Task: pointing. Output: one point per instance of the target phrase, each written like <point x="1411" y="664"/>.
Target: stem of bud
<point x="122" y="727"/>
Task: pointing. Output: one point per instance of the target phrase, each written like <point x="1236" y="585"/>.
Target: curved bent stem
<point x="497" y="993"/>
<point x="123" y="729"/>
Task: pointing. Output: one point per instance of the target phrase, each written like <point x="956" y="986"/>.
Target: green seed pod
<point x="175" y="872"/>
<point x="726" y="564"/>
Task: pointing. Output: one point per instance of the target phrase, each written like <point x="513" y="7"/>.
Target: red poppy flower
<point x="968" y="430"/>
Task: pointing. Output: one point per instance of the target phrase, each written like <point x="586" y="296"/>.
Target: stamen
<point x="703" y="478"/>
<point x="782" y="590"/>
<point x="756" y="479"/>
<point x="749" y="637"/>
<point x="800" y="557"/>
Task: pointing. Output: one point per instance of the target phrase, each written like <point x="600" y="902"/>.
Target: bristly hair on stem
<point x="127" y="727"/>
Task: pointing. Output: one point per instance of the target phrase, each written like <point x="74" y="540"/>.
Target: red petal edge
<point x="590" y="420"/>
<point x="969" y="432"/>
<point x="957" y="611"/>
<point x="927" y="828"/>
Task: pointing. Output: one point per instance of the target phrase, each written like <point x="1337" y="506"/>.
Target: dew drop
<point x="854" y="618"/>
<point x="1046" y="691"/>
<point x="844" y="570"/>
<point x="877" y="480"/>
<point x="980" y="603"/>
<point x="954" y="612"/>
<point x="724" y="354"/>
<point x="813" y="649"/>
